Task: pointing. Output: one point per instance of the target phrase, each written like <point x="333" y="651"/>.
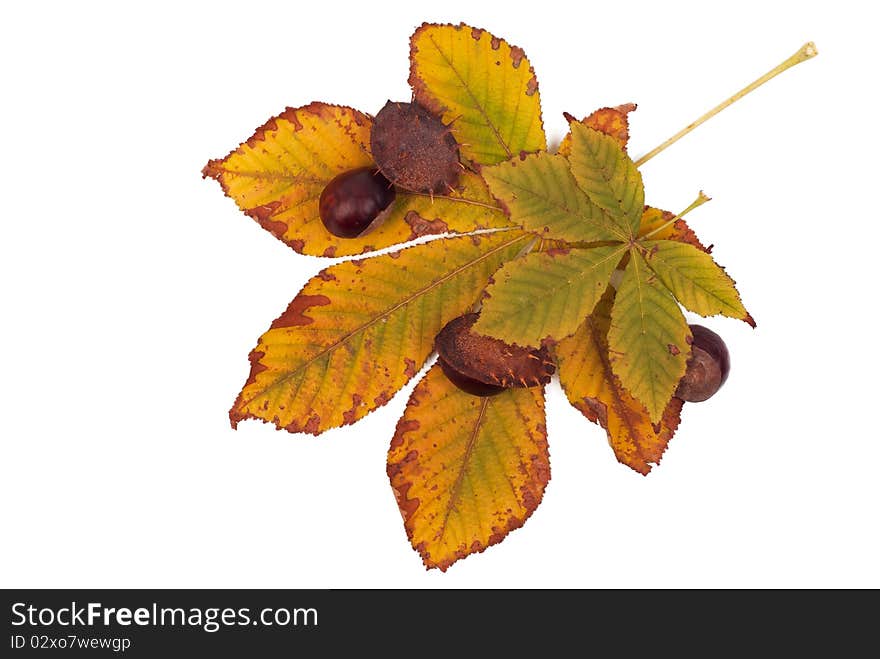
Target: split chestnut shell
<point x="414" y="149"/>
<point x="483" y="365"/>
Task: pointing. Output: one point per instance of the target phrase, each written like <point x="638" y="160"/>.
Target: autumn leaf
<point x="546" y="294"/>
<point x="694" y="279"/>
<point x="481" y="85"/>
<point x="277" y="176"/>
<point x="466" y="470"/>
<point x="357" y="332"/>
<point x="649" y="339"/>
<point x="590" y="384"/>
<point x="608" y="176"/>
<point x="541" y="195"/>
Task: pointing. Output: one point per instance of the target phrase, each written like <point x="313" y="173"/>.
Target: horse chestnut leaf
<point x="354" y="202"/>
<point x="414" y="149"/>
<point x="707" y="368"/>
<point x="485" y="366"/>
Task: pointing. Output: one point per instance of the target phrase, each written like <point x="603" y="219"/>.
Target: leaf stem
<point x="806" y="51"/>
<point x="699" y="201"/>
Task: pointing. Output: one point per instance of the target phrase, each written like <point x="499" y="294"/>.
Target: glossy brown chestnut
<point x="414" y="149"/>
<point x="352" y="201"/>
<point x="707" y="368"/>
<point x="484" y="366"/>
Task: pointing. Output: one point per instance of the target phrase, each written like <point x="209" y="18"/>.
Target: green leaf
<point x="649" y="340"/>
<point x="546" y="294"/>
<point x="539" y="193"/>
<point x="699" y="283"/>
<point x="607" y="174"/>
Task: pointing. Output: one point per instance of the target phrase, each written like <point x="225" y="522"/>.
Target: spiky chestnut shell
<point x="483" y="365"/>
<point x="414" y="149"/>
<point x="707" y="368"/>
<point x="354" y="201"/>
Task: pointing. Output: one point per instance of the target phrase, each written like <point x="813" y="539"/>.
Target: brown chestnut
<point x="352" y="201"/>
<point x="707" y="368"/>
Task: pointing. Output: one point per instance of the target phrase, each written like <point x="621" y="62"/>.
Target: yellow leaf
<point x="590" y="385"/>
<point x="467" y="470"/>
<point x="611" y="121"/>
<point x="277" y="176"/>
<point x="482" y="85"/>
<point x="360" y="330"/>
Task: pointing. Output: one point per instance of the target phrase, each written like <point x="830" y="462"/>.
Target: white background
<point x="132" y="291"/>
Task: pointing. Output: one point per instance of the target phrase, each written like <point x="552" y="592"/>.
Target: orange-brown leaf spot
<point x="294" y="315"/>
<point x="422" y="227"/>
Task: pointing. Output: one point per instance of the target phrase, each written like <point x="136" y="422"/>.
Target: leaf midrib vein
<point x="459" y="480"/>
